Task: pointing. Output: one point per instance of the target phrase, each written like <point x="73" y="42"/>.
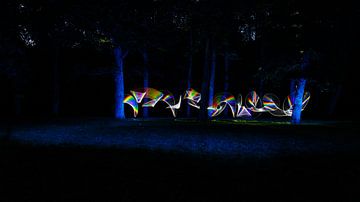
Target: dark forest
<point x="165" y="90"/>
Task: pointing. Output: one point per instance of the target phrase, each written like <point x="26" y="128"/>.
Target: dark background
<point x="85" y="62"/>
<point x="63" y="51"/>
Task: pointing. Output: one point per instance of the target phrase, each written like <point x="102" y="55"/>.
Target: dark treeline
<point x="77" y="58"/>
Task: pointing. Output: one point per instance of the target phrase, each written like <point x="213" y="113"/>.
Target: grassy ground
<point x="181" y="160"/>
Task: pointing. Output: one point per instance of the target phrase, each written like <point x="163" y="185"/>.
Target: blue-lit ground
<point x="227" y="138"/>
<point x="179" y="160"/>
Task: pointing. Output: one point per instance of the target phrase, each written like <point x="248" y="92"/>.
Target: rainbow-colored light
<point x="130" y="100"/>
<point x="253" y="103"/>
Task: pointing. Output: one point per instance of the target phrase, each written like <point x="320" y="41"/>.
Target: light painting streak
<point x="289" y="105"/>
<point x="130" y="100"/>
<point x="154" y="96"/>
<point x="220" y="102"/>
<point x="271" y="104"/>
<point x="193" y="97"/>
<point x="241" y="110"/>
<point x="253" y="103"/>
<point x="139" y="96"/>
<point x="170" y="101"/>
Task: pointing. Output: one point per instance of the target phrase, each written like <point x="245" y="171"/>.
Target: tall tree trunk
<point x="226" y="78"/>
<point x="292" y="90"/>
<point x="18" y="104"/>
<point x="190" y="63"/>
<point x="296" y="114"/>
<point x="334" y="100"/>
<point x="205" y="84"/>
<point x="146" y="78"/>
<point x="8" y="107"/>
<point x="300" y="88"/>
<point x="18" y="95"/>
<point x="56" y="85"/>
<point x="212" y="75"/>
<point x="226" y="68"/>
<point x="119" y="83"/>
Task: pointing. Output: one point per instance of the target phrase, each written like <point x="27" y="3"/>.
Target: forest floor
<point x="179" y="160"/>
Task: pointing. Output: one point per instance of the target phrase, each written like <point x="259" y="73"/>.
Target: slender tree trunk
<point x="190" y="63"/>
<point x="146" y="78"/>
<point x="8" y="108"/>
<point x="56" y="85"/>
<point x="292" y="90"/>
<point x="343" y="57"/>
<point x="334" y="100"/>
<point x="212" y="75"/>
<point x="315" y="101"/>
<point x="18" y="104"/>
<point x="226" y="68"/>
<point x="296" y="114"/>
<point x="18" y="96"/>
<point x="260" y="91"/>
<point x="119" y="83"/>
<point x="205" y="84"/>
<point x="226" y="79"/>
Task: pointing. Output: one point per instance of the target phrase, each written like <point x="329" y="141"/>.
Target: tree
<point x="212" y="74"/>
<point x="190" y="66"/>
<point x="119" y="82"/>
<point x="146" y="77"/>
<point x="205" y="82"/>
<point x="106" y="26"/>
<point x="15" y="41"/>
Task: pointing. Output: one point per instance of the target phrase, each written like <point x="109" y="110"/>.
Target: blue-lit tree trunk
<point x="146" y="79"/>
<point x="190" y="63"/>
<point x="119" y="83"/>
<point x="205" y="84"/>
<point x="212" y="76"/>
<point x="300" y="88"/>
